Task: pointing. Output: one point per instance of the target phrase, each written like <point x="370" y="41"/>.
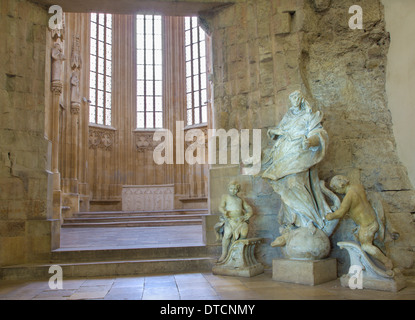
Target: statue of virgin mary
<point x="301" y="143"/>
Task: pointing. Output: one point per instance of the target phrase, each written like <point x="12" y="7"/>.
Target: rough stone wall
<point x="345" y="72"/>
<point x="256" y="56"/>
<point x="264" y="50"/>
<point x="24" y="232"/>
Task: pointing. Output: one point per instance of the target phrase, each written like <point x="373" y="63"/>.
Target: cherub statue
<point x="361" y="211"/>
<point x="233" y="225"/>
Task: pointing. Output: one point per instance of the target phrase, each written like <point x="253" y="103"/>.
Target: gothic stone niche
<point x="100" y="138"/>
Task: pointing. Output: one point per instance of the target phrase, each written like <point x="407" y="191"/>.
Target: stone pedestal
<point x="393" y="284"/>
<point x="308" y="272"/>
<point x="240" y="260"/>
<point x="366" y="274"/>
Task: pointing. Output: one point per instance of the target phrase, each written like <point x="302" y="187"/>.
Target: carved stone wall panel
<point x="101" y="138"/>
<point x="148" y="198"/>
<point x="144" y="141"/>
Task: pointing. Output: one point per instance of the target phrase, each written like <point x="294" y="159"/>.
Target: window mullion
<point x="96" y="70"/>
<point x="191" y="71"/>
<point x="104" y="102"/>
<point x="154" y="74"/>
<point x="145" y="71"/>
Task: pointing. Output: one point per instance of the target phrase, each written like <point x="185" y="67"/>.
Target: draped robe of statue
<point x="292" y="171"/>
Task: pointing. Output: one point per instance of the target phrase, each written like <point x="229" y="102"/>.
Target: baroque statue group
<point x="310" y="211"/>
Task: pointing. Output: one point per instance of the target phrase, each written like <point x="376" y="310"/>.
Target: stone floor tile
<point x="197" y="292"/>
<point x="128" y="282"/>
<point x="55" y="294"/>
<point x="125" y="293"/>
<point x="161" y="297"/>
<point x="276" y="294"/>
<point x="88" y="295"/>
<point x="190" y="278"/>
<point x="72" y="283"/>
<point x="98" y="282"/>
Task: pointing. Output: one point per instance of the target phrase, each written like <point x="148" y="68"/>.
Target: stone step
<point x="139" y="213"/>
<point x="117" y="262"/>
<point x="131" y="218"/>
<point x="135" y="218"/>
<point x="108" y="268"/>
<point x="144" y="223"/>
<point x="64" y="255"/>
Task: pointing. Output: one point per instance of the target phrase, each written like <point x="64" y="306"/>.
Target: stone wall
<point x="348" y="83"/>
<point x="399" y="17"/>
<point x="264" y="50"/>
<point x="25" y="203"/>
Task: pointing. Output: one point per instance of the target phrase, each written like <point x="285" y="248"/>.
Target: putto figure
<point x="233" y="225"/>
<point x="361" y="212"/>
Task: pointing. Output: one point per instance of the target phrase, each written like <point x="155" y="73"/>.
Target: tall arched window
<point x="149" y="72"/>
<point x="196" y="76"/>
<point x="149" y="65"/>
<point x="100" y="76"/>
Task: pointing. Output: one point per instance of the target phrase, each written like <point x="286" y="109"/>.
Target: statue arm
<point x="344" y="208"/>
<point x="313" y="141"/>
<point x="272" y="133"/>
<point x="248" y="210"/>
<point x="222" y="206"/>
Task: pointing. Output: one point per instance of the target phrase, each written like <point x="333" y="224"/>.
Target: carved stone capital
<point x="75" y="107"/>
<point x="56" y="87"/>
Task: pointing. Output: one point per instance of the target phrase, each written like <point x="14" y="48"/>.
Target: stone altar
<point x="148" y="198"/>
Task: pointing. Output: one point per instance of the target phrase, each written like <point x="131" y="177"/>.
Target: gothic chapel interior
<point x="80" y="104"/>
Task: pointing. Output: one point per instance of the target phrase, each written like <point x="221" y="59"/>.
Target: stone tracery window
<point x="196" y="76"/>
<point x="150" y="80"/>
<point x="149" y="72"/>
<point x="100" y="76"/>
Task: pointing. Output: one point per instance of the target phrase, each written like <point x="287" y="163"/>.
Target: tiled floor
<point x="191" y="286"/>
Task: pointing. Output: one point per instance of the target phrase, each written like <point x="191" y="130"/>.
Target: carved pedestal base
<point x="394" y="284"/>
<point x="240" y="260"/>
<point x="366" y="274"/>
<point x="308" y="272"/>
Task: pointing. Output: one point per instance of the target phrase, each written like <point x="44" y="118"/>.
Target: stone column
<point x="175" y="99"/>
<point x="57" y="58"/>
<point x="72" y="199"/>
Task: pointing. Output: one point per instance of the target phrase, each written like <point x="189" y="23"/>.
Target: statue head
<point x="57" y="45"/>
<point x="339" y="183"/>
<point x="234" y="187"/>
<point x="298" y="101"/>
<point x="295" y="98"/>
